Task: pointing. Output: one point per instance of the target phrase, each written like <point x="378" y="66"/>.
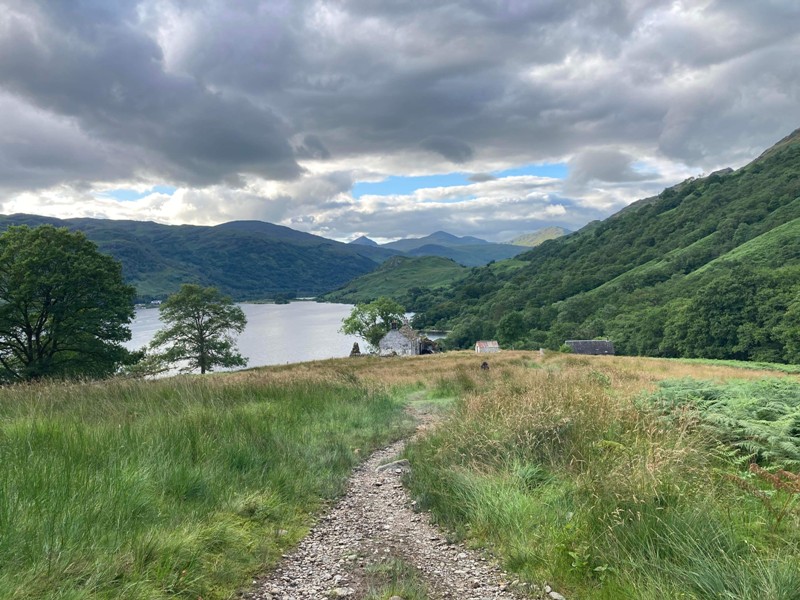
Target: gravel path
<point x="375" y="521"/>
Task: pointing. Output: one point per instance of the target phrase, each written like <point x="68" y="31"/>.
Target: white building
<point x="486" y="346"/>
<point x="402" y="342"/>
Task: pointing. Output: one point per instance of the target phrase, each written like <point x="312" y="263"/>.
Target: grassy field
<point x="608" y="477"/>
<point x="181" y="488"/>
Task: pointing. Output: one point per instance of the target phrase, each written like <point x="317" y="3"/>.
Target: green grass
<point x="742" y="364"/>
<point x="604" y="497"/>
<point x="182" y="488"/>
<point x="394" y="577"/>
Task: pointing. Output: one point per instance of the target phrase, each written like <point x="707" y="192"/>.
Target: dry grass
<point x="628" y="376"/>
<point x="554" y="462"/>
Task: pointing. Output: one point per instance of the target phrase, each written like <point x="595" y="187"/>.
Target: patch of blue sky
<point x="398" y="185"/>
<point x="552" y="170"/>
<point x="129" y="195"/>
<point x="644" y="169"/>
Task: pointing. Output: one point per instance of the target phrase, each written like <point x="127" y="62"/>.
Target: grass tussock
<point x="574" y="477"/>
<point x="394" y="577"/>
<point x="181" y="488"/>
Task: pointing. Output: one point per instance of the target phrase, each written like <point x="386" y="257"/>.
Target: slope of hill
<point x="535" y="238"/>
<point x="708" y="268"/>
<point x="246" y="259"/>
<point x="470" y="256"/>
<point x="402" y="278"/>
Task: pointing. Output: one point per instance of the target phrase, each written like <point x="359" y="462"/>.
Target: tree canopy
<point x="200" y="322"/>
<point x="371" y="321"/>
<point x="64" y="306"/>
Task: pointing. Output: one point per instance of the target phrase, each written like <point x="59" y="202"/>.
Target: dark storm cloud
<point x="93" y="67"/>
<point x="452" y="149"/>
<point x="605" y="165"/>
<point x="312" y="147"/>
<point x="217" y="93"/>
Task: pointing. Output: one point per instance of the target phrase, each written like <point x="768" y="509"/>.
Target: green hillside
<point x="402" y="278"/>
<point x="710" y="269"/>
<point x="535" y="238"/>
<point x="246" y="259"/>
<point x="472" y="255"/>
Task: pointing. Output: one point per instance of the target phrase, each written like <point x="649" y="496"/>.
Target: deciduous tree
<point x="200" y="322"/>
<point x="371" y="321"/>
<point x="64" y="306"/>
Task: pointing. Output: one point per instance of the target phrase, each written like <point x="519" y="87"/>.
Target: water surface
<point x="276" y="334"/>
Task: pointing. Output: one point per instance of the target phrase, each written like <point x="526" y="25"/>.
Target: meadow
<point x="614" y="478"/>
<point x="607" y="477"/>
<point x="180" y="488"/>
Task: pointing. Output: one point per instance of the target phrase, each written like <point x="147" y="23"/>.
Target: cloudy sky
<point x="389" y="118"/>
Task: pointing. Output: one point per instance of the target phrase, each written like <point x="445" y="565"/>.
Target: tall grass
<point x="572" y="481"/>
<point x="178" y="488"/>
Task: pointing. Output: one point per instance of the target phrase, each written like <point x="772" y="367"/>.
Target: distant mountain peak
<point x="364" y="241"/>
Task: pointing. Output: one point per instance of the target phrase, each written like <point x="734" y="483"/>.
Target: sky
<point x="385" y="118"/>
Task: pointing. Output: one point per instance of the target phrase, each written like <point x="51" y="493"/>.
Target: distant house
<point x="591" y="346"/>
<point x="402" y="341"/>
<point x="485" y="346"/>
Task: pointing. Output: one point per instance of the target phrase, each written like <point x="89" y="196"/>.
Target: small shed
<point x="591" y="346"/>
<point x="402" y="342"/>
<point x="485" y="346"/>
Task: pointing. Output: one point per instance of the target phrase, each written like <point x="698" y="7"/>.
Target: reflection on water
<point x="276" y="333"/>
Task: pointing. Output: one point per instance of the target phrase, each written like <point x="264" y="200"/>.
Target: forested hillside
<point x="402" y="278"/>
<point x="709" y="268"/>
<point x="245" y="259"/>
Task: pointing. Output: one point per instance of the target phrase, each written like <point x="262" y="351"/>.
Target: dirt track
<point x="373" y="522"/>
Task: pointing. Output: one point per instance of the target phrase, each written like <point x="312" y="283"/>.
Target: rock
<point x="398" y="464"/>
<point x="555" y="596"/>
<point x="342" y="592"/>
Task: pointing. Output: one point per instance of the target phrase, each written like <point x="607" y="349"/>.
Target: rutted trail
<point x="375" y="521"/>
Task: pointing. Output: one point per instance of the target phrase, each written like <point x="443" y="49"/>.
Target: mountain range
<point x="246" y="259"/>
<point x="467" y="251"/>
<point x="252" y="260"/>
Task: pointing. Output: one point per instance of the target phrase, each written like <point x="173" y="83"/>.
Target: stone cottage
<point x="402" y="341"/>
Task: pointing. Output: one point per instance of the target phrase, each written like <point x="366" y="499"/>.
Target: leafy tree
<point x="511" y="328"/>
<point x="64" y="307"/>
<point x="200" y="321"/>
<point x="371" y="321"/>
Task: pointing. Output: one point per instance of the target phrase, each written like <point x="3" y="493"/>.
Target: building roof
<point x="487" y="344"/>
